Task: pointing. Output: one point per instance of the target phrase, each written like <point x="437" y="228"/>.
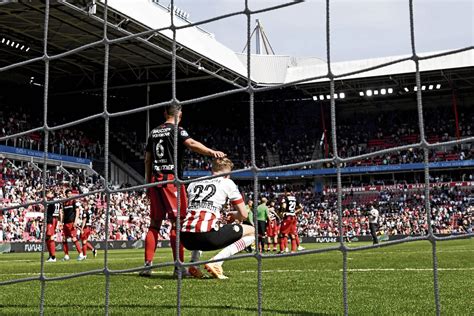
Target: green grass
<point x="395" y="280"/>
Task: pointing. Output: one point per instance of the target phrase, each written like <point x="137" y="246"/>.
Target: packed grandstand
<point x="401" y="207"/>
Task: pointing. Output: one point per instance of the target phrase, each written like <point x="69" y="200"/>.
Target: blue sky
<point x="360" y="28"/>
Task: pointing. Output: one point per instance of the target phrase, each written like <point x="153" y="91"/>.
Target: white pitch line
<point x="376" y="253"/>
<point x="358" y="270"/>
<point x="157" y="271"/>
<point x="408" y="269"/>
<point x="88" y="260"/>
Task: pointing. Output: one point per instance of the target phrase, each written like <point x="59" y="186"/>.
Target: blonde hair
<point x="220" y="164"/>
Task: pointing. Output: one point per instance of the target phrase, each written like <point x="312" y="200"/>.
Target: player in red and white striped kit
<point x="202" y="228"/>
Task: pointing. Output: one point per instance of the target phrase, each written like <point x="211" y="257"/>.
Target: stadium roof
<point x="73" y="24"/>
<point x="271" y="69"/>
<point x="276" y="69"/>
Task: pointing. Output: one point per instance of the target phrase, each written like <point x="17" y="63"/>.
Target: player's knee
<point x="155" y="224"/>
<point x="248" y="230"/>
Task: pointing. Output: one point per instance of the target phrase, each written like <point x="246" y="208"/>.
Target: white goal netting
<point x="252" y="90"/>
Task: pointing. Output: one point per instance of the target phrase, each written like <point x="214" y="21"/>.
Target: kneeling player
<point x="202" y="228"/>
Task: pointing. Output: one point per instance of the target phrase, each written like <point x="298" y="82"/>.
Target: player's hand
<point x="218" y="154"/>
<point x="230" y="217"/>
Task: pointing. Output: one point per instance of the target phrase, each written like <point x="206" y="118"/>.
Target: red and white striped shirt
<point x="206" y="199"/>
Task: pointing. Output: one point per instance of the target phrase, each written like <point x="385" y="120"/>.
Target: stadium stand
<point x="402" y="211"/>
<point x="70" y="142"/>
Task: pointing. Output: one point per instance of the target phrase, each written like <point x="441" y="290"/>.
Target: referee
<point x="262" y="218"/>
<point x="374" y="223"/>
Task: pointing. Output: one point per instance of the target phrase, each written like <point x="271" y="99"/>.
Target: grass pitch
<point x="396" y="280"/>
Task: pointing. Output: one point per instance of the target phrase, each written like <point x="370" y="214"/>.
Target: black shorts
<point x="262" y="228"/>
<point x="213" y="240"/>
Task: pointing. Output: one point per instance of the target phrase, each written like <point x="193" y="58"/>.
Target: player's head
<point x="222" y="165"/>
<point x="50" y="195"/>
<point x="264" y="200"/>
<point x="68" y="192"/>
<point x="172" y="110"/>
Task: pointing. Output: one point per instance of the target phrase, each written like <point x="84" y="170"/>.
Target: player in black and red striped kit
<point x="160" y="165"/>
<point x="69" y="217"/>
<point x="52" y="216"/>
<point x="86" y="229"/>
<point x="291" y="207"/>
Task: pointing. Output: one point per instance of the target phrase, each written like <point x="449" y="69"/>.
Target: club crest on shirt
<point x="236" y="228"/>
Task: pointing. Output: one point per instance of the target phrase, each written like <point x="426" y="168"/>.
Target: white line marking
<point x="158" y="271"/>
<point x="359" y="270"/>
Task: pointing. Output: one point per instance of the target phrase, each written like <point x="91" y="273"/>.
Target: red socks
<point x="283" y="242"/>
<point x="65" y="248"/>
<point x="173" y="245"/>
<point x="150" y="244"/>
<point x="293" y="244"/>
<point x="50" y="244"/>
<point x="85" y="246"/>
<point x="78" y="246"/>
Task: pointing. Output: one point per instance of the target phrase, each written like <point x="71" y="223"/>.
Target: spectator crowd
<point x="281" y="138"/>
<point x="402" y="211"/>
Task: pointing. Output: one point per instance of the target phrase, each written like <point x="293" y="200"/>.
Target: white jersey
<point x="374" y="216"/>
<point x="205" y="201"/>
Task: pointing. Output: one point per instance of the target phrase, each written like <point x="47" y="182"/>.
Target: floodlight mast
<point x="260" y="39"/>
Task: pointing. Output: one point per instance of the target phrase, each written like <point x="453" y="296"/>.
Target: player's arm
<point x="76" y="219"/>
<point x="299" y="209"/>
<point x="240" y="212"/>
<point x="148" y="165"/>
<point x="61" y="215"/>
<point x="83" y="222"/>
<point x="200" y="148"/>
<point x="276" y="214"/>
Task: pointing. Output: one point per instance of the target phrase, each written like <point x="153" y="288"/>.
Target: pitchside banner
<point x="115" y="245"/>
<point x="100" y="245"/>
<point x="397" y="187"/>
